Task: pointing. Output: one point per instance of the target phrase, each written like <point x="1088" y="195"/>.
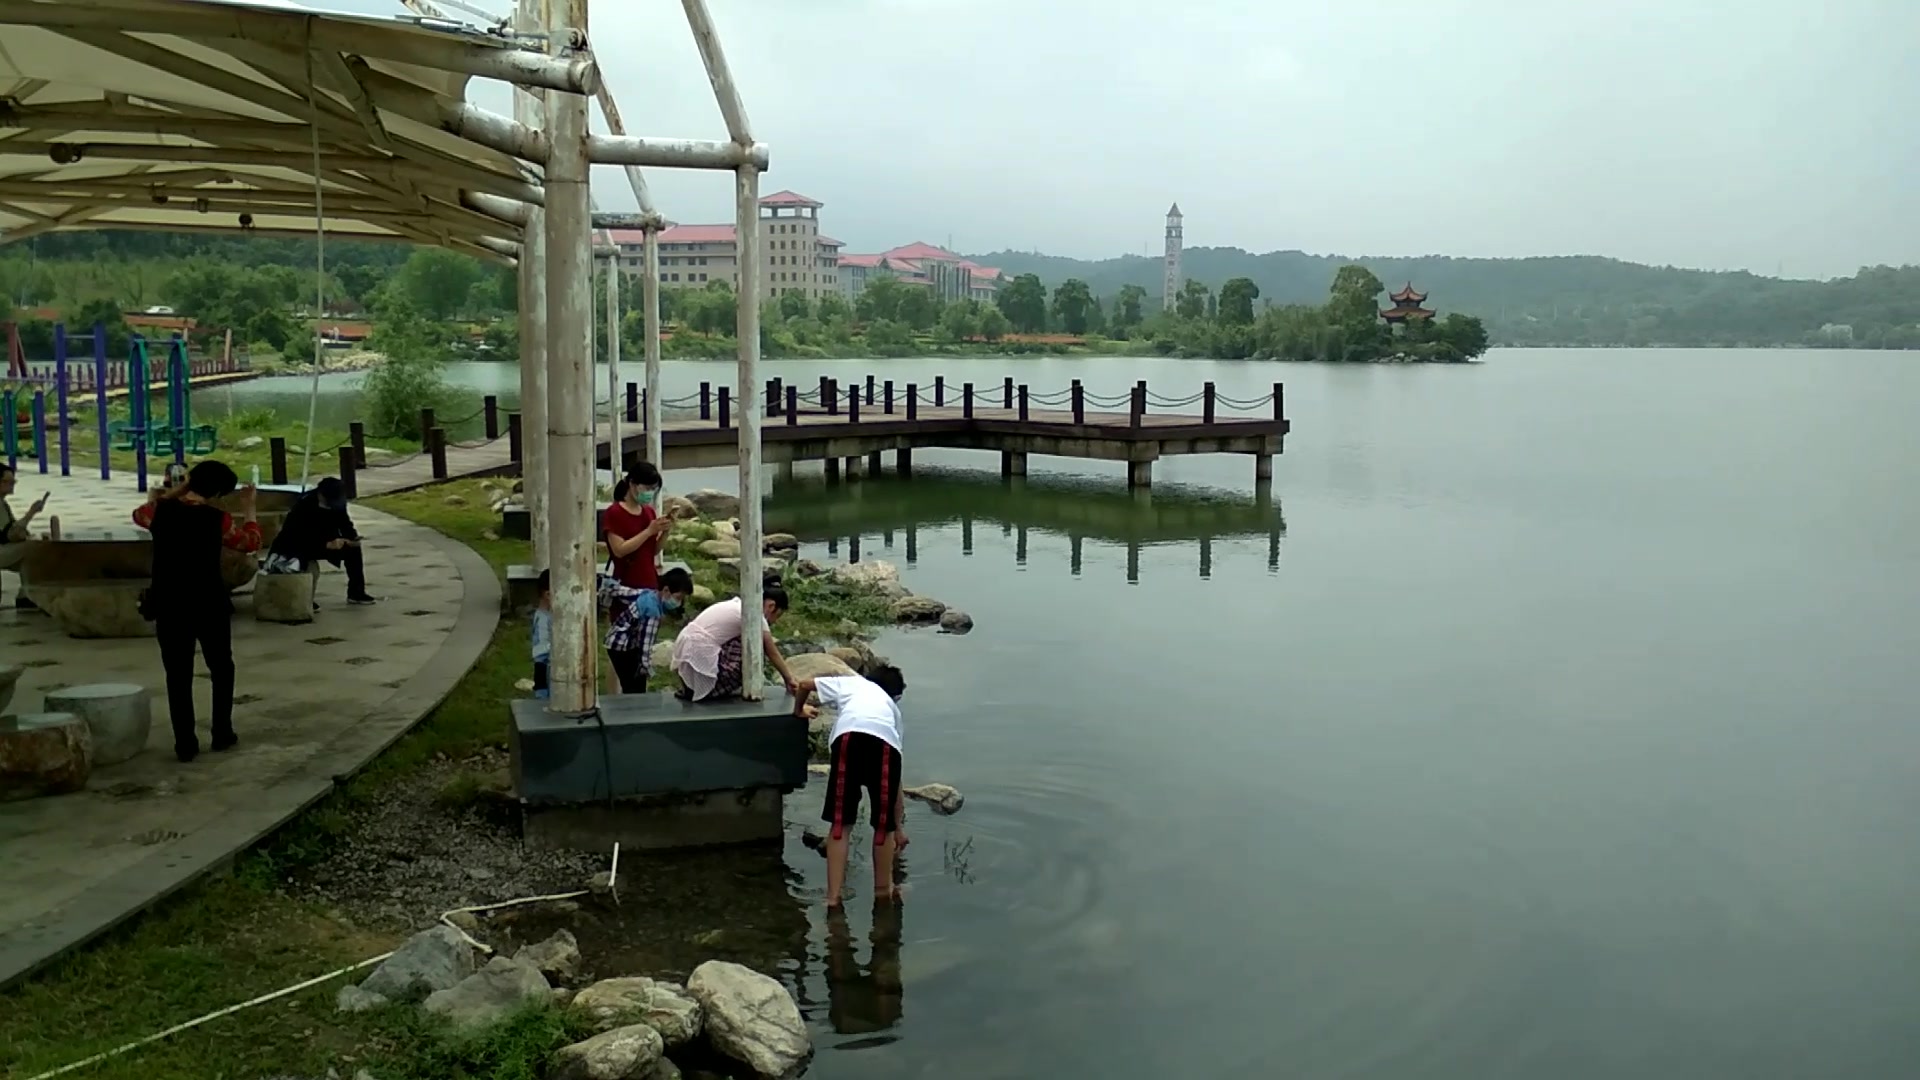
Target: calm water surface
<point x="1565" y="729"/>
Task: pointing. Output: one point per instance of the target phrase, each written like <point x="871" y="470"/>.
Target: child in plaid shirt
<point x="635" y="623"/>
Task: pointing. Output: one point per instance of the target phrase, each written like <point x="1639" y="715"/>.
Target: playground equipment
<point x="173" y="433"/>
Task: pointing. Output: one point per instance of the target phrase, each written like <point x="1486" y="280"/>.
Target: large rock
<point x="663" y="656"/>
<point x="944" y="798"/>
<point x="751" y="1018"/>
<point x="9" y="678"/>
<point x="662" y="1006"/>
<point x="43" y="754"/>
<point x="721" y="548"/>
<point x="714" y="504"/>
<point x="918" y="609"/>
<point x="955" y="621"/>
<point x="780" y="542"/>
<point x="679" y="508"/>
<point x="818" y="665"/>
<point x="872" y="573"/>
<point x="491" y="994"/>
<point x="664" y="1069"/>
<point x="558" y="957"/>
<point x="119" y="717"/>
<point x="727" y="529"/>
<point x="772" y="567"/>
<point x="626" y="1053"/>
<point x="702" y="594"/>
<point x="358" y="999"/>
<point x="856" y="655"/>
<point x="430" y="961"/>
<point x="808" y="568"/>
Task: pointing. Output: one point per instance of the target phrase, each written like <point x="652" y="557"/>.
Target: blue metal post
<point x="11" y="433"/>
<point x="100" y="398"/>
<point x="177" y="386"/>
<point x="60" y="392"/>
<point x="40" y="428"/>
<point x="138" y="406"/>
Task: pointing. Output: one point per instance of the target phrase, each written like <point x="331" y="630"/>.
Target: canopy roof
<point x="195" y="115"/>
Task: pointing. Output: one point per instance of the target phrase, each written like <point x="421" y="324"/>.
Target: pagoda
<point x="1407" y="306"/>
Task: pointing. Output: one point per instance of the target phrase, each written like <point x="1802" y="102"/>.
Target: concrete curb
<point x="39" y="943"/>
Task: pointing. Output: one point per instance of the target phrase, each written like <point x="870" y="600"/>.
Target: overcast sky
<point x="1771" y="135"/>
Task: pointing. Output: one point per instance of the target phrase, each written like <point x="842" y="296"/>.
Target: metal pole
<point x="616" y="449"/>
<point x="570" y="412"/>
<point x="530" y="108"/>
<point x="650" y="314"/>
<point x="100" y="381"/>
<point x="752" y="619"/>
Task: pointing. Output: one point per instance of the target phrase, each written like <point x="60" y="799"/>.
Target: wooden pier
<point x="850" y="429"/>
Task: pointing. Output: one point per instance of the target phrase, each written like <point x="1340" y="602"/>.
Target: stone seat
<point x="516" y="523"/>
<point x="284" y="598"/>
<point x="43" y="754"/>
<point x="118" y="716"/>
<point x="102" y="608"/>
<point x="9" y="679"/>
<point x="523" y="589"/>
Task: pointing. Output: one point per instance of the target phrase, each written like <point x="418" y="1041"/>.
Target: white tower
<point x="1173" y="256"/>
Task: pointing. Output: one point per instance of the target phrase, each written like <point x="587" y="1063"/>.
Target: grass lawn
<point x="238" y="936"/>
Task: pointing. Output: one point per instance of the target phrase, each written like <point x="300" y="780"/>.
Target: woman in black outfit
<point x="188" y="597"/>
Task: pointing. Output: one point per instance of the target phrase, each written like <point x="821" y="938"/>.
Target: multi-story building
<point x="794" y="255"/>
<point x="950" y="276"/>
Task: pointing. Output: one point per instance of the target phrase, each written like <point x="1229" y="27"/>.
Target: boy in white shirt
<point x="865" y="754"/>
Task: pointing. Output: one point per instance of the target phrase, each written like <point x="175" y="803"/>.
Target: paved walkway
<point x="313" y="703"/>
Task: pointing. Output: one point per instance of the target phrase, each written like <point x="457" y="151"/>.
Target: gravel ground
<point x="412" y="853"/>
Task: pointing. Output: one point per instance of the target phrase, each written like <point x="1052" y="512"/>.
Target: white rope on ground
<point x="446" y="917"/>
<point x="320" y="264"/>
<point x="197" y="1021"/>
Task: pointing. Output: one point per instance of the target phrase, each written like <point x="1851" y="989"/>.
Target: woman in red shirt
<point x="634" y="528"/>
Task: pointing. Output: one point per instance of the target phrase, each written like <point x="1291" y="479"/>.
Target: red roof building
<point x="1406" y="306"/>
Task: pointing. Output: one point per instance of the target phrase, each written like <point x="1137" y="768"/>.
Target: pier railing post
<point x="706" y="401"/>
<point x="939" y="391"/>
<point x="966" y="400"/>
<point x="348" y="480"/>
<point x="827" y="404"/>
<point x="913" y="401"/>
<point x="1006" y="393"/>
<point x="513" y="438"/>
<point x="1138" y="407"/>
<point x="853" y="404"/>
<point x="437" y="446"/>
<point x="1206" y="407"/>
<point x="633" y="403"/>
<point x="1079" y="402"/>
<point x="1023" y="401"/>
<point x="887" y="405"/>
<point x="357" y="438"/>
<point x="490" y="405"/>
<point x="793" y="405"/>
<point x="277" y="454"/>
<point x="773" y="397"/>
<point x="1279" y="401"/>
<point x="426" y="424"/>
<point x="869" y="389"/>
<point x="726" y="406"/>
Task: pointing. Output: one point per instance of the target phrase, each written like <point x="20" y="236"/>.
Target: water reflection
<point x="865" y="999"/>
<point x="841" y="514"/>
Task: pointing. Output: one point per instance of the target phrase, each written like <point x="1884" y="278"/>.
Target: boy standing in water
<point x="865" y="754"/>
<point x="635" y="623"/>
<point x="543" y="634"/>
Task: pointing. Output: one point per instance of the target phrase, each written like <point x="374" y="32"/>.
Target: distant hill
<point x="1557" y="300"/>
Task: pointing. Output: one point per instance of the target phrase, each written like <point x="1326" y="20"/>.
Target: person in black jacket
<point x="187" y="598"/>
<point x="316" y="529"/>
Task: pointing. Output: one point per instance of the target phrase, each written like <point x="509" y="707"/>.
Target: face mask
<point x="644" y="498"/>
<point x="671" y="603"/>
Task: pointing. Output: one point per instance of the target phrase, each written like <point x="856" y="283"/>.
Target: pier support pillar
<point x="903" y="461"/>
<point x="1013" y="463"/>
<point x="1139" y="474"/>
<point x="855" y="468"/>
<point x="784" y="472"/>
<point x="1263" y="466"/>
<point x="873" y="464"/>
<point x="832" y="466"/>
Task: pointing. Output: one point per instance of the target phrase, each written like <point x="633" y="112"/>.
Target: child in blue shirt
<point x="543" y="634"/>
<point x="635" y="620"/>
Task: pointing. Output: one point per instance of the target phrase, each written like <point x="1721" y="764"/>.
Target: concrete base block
<point x="660" y="822"/>
<point x="516" y="523"/>
<point x="523" y="589"/>
<point x="44" y="754"/>
<point x="283" y="598"/>
<point x="643" y="745"/>
<point x="118" y="716"/>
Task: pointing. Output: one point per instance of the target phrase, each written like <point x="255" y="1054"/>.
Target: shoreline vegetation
<point x="324" y="891"/>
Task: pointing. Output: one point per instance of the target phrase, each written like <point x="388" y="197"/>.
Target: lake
<point x="1565" y="728"/>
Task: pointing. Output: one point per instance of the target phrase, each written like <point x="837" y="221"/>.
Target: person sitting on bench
<point x="316" y="529"/>
<point x="13" y="530"/>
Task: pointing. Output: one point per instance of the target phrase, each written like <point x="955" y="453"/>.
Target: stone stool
<point x="9" y="678"/>
<point x="118" y="716"/>
<point x="284" y="598"/>
<point x="43" y="754"/>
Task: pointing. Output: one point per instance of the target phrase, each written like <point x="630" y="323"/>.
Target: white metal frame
<point x="192" y="115"/>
